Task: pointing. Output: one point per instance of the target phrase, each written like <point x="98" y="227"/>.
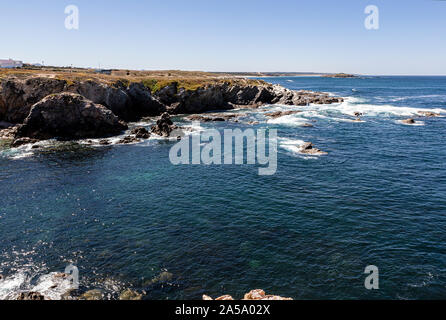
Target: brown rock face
<point x="69" y="116"/>
<point x="17" y="96"/>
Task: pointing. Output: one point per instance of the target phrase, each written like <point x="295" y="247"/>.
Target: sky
<point x="227" y="35"/>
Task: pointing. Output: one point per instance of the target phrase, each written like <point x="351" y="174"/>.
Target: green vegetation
<point x="154" y="80"/>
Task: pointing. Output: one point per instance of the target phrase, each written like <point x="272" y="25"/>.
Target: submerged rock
<point x="69" y="116"/>
<point x="163" y="277"/>
<point x="94" y="294"/>
<point x="130" y="295"/>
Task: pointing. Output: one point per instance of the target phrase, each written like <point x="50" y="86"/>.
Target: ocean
<point x="124" y="215"/>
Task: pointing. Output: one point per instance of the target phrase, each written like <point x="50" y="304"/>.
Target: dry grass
<point x="155" y="80"/>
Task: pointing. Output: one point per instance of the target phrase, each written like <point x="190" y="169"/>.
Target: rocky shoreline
<point x="38" y="108"/>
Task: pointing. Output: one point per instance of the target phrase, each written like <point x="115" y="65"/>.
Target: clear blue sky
<point x="228" y="35"/>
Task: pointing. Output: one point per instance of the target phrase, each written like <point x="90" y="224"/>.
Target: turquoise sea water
<point x="124" y="214"/>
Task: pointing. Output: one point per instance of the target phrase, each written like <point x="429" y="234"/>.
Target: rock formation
<point x="164" y="126"/>
<point x="408" y="121"/>
<point x="257" y="294"/>
<point x="279" y="114"/>
<point x="308" y="148"/>
<point x="428" y="114"/>
<point x="69" y="116"/>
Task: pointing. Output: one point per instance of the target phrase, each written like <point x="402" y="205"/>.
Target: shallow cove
<point x="124" y="214"/>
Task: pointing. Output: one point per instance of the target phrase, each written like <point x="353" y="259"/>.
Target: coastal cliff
<point x="41" y="107"/>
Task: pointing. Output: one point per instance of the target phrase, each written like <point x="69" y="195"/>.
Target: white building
<point x="10" y="64"/>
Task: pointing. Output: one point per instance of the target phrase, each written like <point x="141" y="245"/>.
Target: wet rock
<point x="308" y="148"/>
<point x="130" y="295"/>
<point x="104" y="142"/>
<point x="31" y="296"/>
<point x="408" y="121"/>
<point x="257" y="294"/>
<point x="141" y="133"/>
<point x="279" y="114"/>
<point x="225" y="298"/>
<point x="69" y="116"/>
<point x="128" y="140"/>
<point x="95" y="294"/>
<point x="163" y="277"/>
<point x="164" y="126"/>
<point x="428" y="114"/>
<point x="219" y="118"/>
<point x="22" y="141"/>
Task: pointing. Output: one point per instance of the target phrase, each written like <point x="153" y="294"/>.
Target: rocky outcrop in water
<point x="408" y="121"/>
<point x="69" y="116"/>
<point x="257" y="294"/>
<point x="308" y="148"/>
<point x="164" y="126"/>
<point x="213" y="117"/>
<point x="133" y="101"/>
<point x="428" y="114"/>
<point x="226" y="96"/>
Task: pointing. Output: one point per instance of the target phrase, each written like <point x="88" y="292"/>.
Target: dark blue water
<point x="124" y="214"/>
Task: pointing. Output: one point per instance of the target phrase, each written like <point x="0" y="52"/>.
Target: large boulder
<point x="17" y="96"/>
<point x="69" y="116"/>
